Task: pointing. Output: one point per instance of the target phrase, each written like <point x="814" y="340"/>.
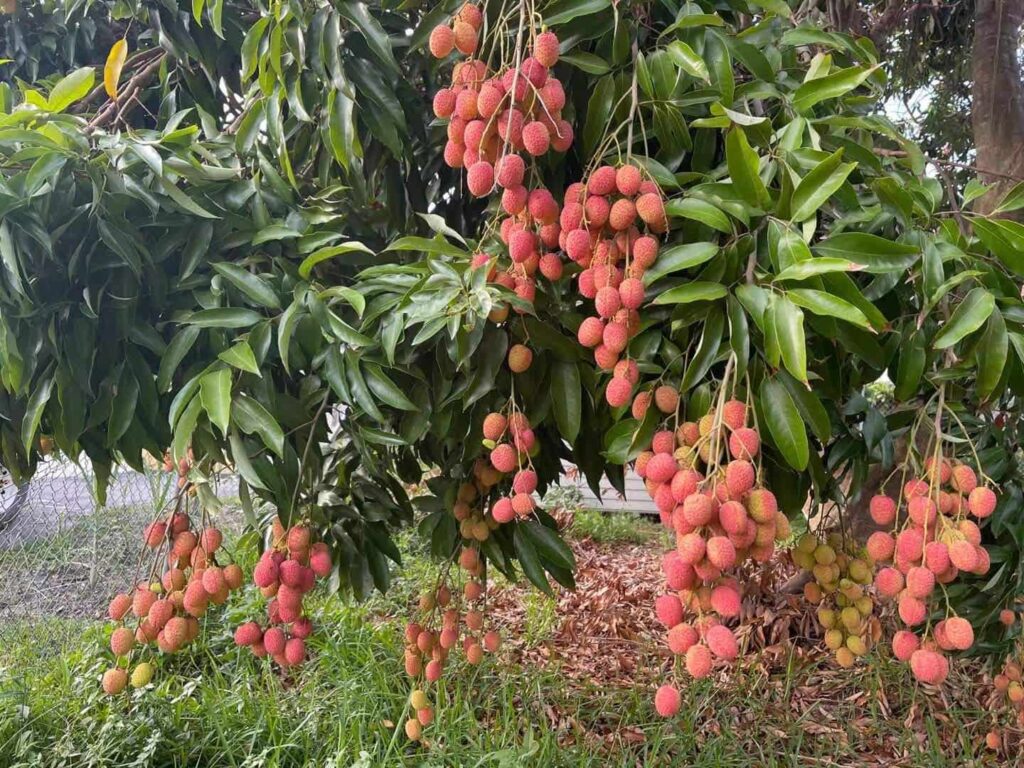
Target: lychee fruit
<point x="249" y="633"/>
<point x="681" y="638"/>
<point x="882" y="510"/>
<point x="545" y="49"/>
<point x="536" y="138"/>
<point x="627" y="180"/>
<point x="519" y="358"/>
<point x="698" y="661"/>
<point x="667" y="701"/>
<point x="981" y="502"/>
<point x="904" y="644"/>
<point x="963" y="479"/>
<point x="114" y="681"/>
<point x="959" y="632"/>
<point x="721" y="642"/>
<point x="119" y="606"/>
<point x="929" y="666"/>
<point x="668" y="610"/>
<point x="881" y="546"/>
<point x="442" y="41"/>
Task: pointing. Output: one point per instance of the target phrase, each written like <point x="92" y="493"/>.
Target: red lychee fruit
<point x="442" y="41"/>
<point x="545" y="49"/>
<point x="721" y="642"/>
<point x="929" y="666"/>
<point x="669" y="610"/>
<point x="963" y="478"/>
<point x="266" y="571"/>
<point x="691" y="548"/>
<point x="910" y="545"/>
<point x="249" y="633"/>
<point x="155" y="533"/>
<point x="631" y="293"/>
<point x="519" y="358"/>
<point x="504" y="457"/>
<point x="681" y="638"/>
<point x="651" y="209"/>
<point x="114" y="681"/>
<point x="882" y="510"/>
<point x="744" y="443"/>
<point x="480" y="178"/>
<point x="618" y="393"/>
<point x="666" y="399"/>
<point x="881" y="546"/>
<point x="922" y="511"/>
<point x="912" y="611"/>
<point x="119" y="607"/>
<point x="627" y="180"/>
<point x="981" y="502"/>
<point x="904" y="644"/>
<point x="465" y="37"/>
<point x="602" y="181"/>
<point x="762" y="505"/>
<point x="645" y="251"/>
<point x="959" y="632"/>
<point x="720" y="552"/>
<point x="295" y="651"/>
<point x="622" y="215"/>
<point x="698" y="661"/>
<point x="142" y="601"/>
<point x="502" y="510"/>
<point x="641" y="403"/>
<point x="889" y="582"/>
<point x="615" y="337"/>
<point x="121" y="641"/>
<point x="739" y="477"/>
<point x="628" y="370"/>
<point x="920" y="582"/>
<point x="597" y="210"/>
<point x="536" y="138"/>
<point x="607" y="301"/>
<point x="666" y="701"/>
<point x="725" y="601"/>
<point x="936" y="557"/>
<point x="320" y="560"/>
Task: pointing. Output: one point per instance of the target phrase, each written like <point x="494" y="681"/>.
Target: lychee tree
<point x="489" y="240"/>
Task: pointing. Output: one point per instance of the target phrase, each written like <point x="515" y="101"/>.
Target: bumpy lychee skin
<point x="651" y="209"/>
<point x="669" y="610"/>
<point x="691" y="548"/>
<point x="628" y="180"/>
<point x="114" y="681"/>
<point x="631" y="293"/>
<point x="725" y="601"/>
<point x="889" y="582"/>
<point x="591" y="332"/>
<point x="622" y="215"/>
<point x="667" y="701"/>
<point x="881" y="546"/>
<point x="911" y="610"/>
<point x="119" y="606"/>
<point x="882" y="509"/>
<point x="720" y="552"/>
<point x="721" y="642"/>
<point x="963" y="478"/>
<point x="904" y="644"/>
<point x="249" y="633"/>
<point x="641" y="403"/>
<point x="519" y="358"/>
<point x="536" y="138"/>
<point x="981" y="502"/>
<point x="503" y="457"/>
<point x="744" y="443"/>
<point x="666" y="398"/>
<point x="920" y="582"/>
<point x="762" y="505"/>
<point x="465" y="37"/>
<point x="121" y="641"/>
<point x="545" y="49"/>
<point x="739" y="477"/>
<point x="681" y="638"/>
<point x="480" y="178"/>
<point x="442" y="41"/>
<point x="698" y="661"/>
<point x="607" y="301"/>
<point x="618" y="393"/>
<point x="929" y="667"/>
<point x="960" y="633"/>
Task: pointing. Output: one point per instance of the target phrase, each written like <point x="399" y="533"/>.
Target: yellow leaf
<point x="112" y="69"/>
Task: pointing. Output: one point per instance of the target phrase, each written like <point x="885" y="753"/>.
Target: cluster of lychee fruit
<point x="610" y="226"/>
<point x="840" y="577"/>
<point x="286" y="572"/>
<point x="444" y="619"/>
<point x="512" y="442"/>
<point x="704" y="481"/>
<point x="935" y="540"/>
<point x="165" y="610"/>
<point x="495" y="115"/>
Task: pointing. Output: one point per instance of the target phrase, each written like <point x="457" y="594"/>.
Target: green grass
<point x="217" y="705"/>
<point x="614" y="528"/>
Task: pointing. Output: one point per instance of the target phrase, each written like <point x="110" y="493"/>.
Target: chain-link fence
<point x="62" y="554"/>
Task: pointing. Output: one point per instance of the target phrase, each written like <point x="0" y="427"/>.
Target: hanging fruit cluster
<point x="840" y="573"/>
<point x="703" y="477"/>
<point x="186" y="575"/>
<point x="601" y="222"/>
<point x="286" y="572"/>
<point x="933" y="540"/>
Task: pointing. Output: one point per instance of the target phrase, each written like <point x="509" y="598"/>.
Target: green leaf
<point x="251" y="285"/>
<point x="688" y="60"/>
<point x="678" y="258"/>
<point x="184" y="201"/>
<point x="306" y="267"/>
<point x="969" y="315"/>
<point x="71" y="88"/>
<point x="566" y="398"/>
<point x="528" y="558"/>
<point x="274" y="233"/>
<point x="588" y="62"/>
<point x="9" y="254"/>
<point x="122" y="407"/>
<point x="562" y="11"/>
<point x="185" y="427"/>
<point x="739" y="335"/>
<point x="803" y="270"/>
<point x="384" y="389"/>
<point x="250" y="48"/>
<point x="789" y="329"/>
<point x="830" y="87"/>
<point x="349" y="295"/>
<point x="34" y="411"/>
<point x="599" y="112"/>
<point x="701" y="211"/>
<point x="707" y="349"/>
<point x="991" y="353"/>
<point x="253" y="419"/>
<point x="807" y="403"/>
<point x="240" y="356"/>
<point x="822" y="303"/>
<point x="743" y="166"/>
<point x="784" y="424"/>
<point x="549" y="544"/>
<point x="224" y="317"/>
<point x="910" y="366"/>
<point x="820" y="183"/>
<point x="877" y="254"/>
<point x="242" y="463"/>
<point x="215" y="393"/>
<point x="690" y="292"/>
<point x="425" y="245"/>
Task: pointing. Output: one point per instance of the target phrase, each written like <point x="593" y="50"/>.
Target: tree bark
<point x="997" y="113"/>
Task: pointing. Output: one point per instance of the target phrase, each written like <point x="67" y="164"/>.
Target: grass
<point x="216" y="705"/>
<point x="614" y="528"/>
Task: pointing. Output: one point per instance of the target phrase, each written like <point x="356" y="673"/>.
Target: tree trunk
<point x="997" y="113"/>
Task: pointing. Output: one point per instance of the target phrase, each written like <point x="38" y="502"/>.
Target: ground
<point x="571" y="687"/>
